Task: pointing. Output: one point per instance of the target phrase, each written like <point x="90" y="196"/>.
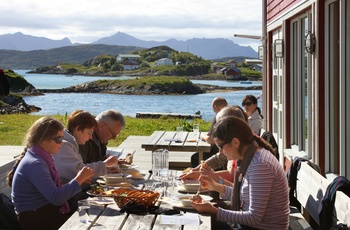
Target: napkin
<point x="182" y="219"/>
<point x="101" y="200"/>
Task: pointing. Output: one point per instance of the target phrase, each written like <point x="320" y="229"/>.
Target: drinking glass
<point x="196" y="128"/>
<point x="179" y="129"/>
<point x="150" y="185"/>
<point x="83" y="209"/>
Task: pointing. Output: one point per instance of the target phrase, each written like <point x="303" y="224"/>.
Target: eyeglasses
<point x="221" y="146"/>
<point x="110" y="130"/>
<point x="247" y="104"/>
<point x="58" y="140"/>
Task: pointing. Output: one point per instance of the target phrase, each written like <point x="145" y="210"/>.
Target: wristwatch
<point x="221" y="181"/>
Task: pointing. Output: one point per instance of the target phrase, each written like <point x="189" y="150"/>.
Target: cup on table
<point x="83" y="209"/>
<point x="179" y="129"/>
<point x="150" y="185"/>
<point x="196" y="128"/>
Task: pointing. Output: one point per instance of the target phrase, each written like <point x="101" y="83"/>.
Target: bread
<point x="129" y="158"/>
<point x="143" y="197"/>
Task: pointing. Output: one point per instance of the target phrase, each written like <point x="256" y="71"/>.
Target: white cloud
<point x="86" y="21"/>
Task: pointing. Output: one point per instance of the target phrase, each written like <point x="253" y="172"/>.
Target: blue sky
<point x="85" y="21"/>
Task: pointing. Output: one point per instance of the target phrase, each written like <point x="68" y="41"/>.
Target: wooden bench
<point x="310" y="190"/>
<point x="5" y="169"/>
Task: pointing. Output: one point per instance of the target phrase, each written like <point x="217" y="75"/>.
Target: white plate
<point x="116" y="179"/>
<point x="126" y="166"/>
<point x="204" y="197"/>
<point x="89" y="192"/>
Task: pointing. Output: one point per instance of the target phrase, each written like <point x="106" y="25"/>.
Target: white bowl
<point x="113" y="178"/>
<point x="185" y="200"/>
<point x="191" y="185"/>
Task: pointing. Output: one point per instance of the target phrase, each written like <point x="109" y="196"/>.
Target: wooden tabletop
<point x="110" y="217"/>
<point x="174" y="141"/>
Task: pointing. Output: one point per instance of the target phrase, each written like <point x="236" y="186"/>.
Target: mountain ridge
<point x="213" y="47"/>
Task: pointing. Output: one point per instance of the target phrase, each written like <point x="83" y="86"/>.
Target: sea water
<point x="129" y="105"/>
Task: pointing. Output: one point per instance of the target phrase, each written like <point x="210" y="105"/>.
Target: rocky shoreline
<point x="151" y="90"/>
<point x="14" y="103"/>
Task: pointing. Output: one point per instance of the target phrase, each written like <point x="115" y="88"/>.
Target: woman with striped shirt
<point x="259" y="197"/>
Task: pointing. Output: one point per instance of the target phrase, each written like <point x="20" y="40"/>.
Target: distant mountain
<point x="207" y="48"/>
<point x="22" y="42"/>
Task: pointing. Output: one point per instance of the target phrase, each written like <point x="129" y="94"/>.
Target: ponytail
<point x="12" y="172"/>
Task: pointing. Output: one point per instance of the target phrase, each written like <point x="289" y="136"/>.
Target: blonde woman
<point x="38" y="195"/>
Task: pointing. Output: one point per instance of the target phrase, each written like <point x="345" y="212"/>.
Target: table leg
<point x="200" y="156"/>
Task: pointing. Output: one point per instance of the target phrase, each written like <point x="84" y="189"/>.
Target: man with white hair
<point x="109" y="125"/>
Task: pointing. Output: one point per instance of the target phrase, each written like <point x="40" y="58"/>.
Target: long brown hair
<point x="44" y="128"/>
<point x="228" y="128"/>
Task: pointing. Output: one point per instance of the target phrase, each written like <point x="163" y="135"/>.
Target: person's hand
<point x="113" y="170"/>
<point x="209" y="172"/>
<point x="111" y="161"/>
<point x="207" y="182"/>
<point x="84" y="174"/>
<point x="204" y="207"/>
<point x="122" y="161"/>
<point x="88" y="181"/>
<point x="192" y="175"/>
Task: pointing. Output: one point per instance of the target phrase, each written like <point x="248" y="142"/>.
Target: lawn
<point x="14" y="127"/>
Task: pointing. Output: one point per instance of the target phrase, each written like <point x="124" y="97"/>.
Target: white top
<point x="255" y="122"/>
<point x="68" y="160"/>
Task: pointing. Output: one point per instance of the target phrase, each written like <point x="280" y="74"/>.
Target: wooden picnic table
<point x="110" y="217"/>
<point x="177" y="141"/>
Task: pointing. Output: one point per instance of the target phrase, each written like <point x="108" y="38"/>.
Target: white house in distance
<point x="163" y="61"/>
<point x="130" y="57"/>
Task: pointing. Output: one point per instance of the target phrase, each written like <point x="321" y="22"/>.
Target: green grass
<point x="14" y="127"/>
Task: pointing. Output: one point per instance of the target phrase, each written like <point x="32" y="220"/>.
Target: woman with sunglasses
<point x="259" y="196"/>
<point x="38" y="195"/>
<point x="250" y="105"/>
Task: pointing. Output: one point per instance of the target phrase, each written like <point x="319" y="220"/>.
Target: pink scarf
<point x="54" y="173"/>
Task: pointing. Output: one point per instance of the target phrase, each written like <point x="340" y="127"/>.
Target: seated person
<point x="259" y="197"/>
<point x="250" y="104"/>
<point x="217" y="104"/>
<point x="219" y="159"/>
<point x="109" y="125"/>
<point x="81" y="125"/>
<point x="39" y="197"/>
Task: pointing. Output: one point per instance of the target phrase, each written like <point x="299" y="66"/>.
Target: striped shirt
<point x="263" y="194"/>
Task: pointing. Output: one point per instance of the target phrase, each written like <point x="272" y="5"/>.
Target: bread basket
<point x="123" y="196"/>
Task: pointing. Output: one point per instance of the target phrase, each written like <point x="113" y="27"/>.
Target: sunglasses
<point x="221" y="146"/>
<point x="247" y="104"/>
<point x="58" y="140"/>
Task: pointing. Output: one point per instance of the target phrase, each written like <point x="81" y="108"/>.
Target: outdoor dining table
<point x="109" y="217"/>
<point x="177" y="141"/>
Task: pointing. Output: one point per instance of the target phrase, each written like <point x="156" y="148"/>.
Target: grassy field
<point x="14" y="127"/>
